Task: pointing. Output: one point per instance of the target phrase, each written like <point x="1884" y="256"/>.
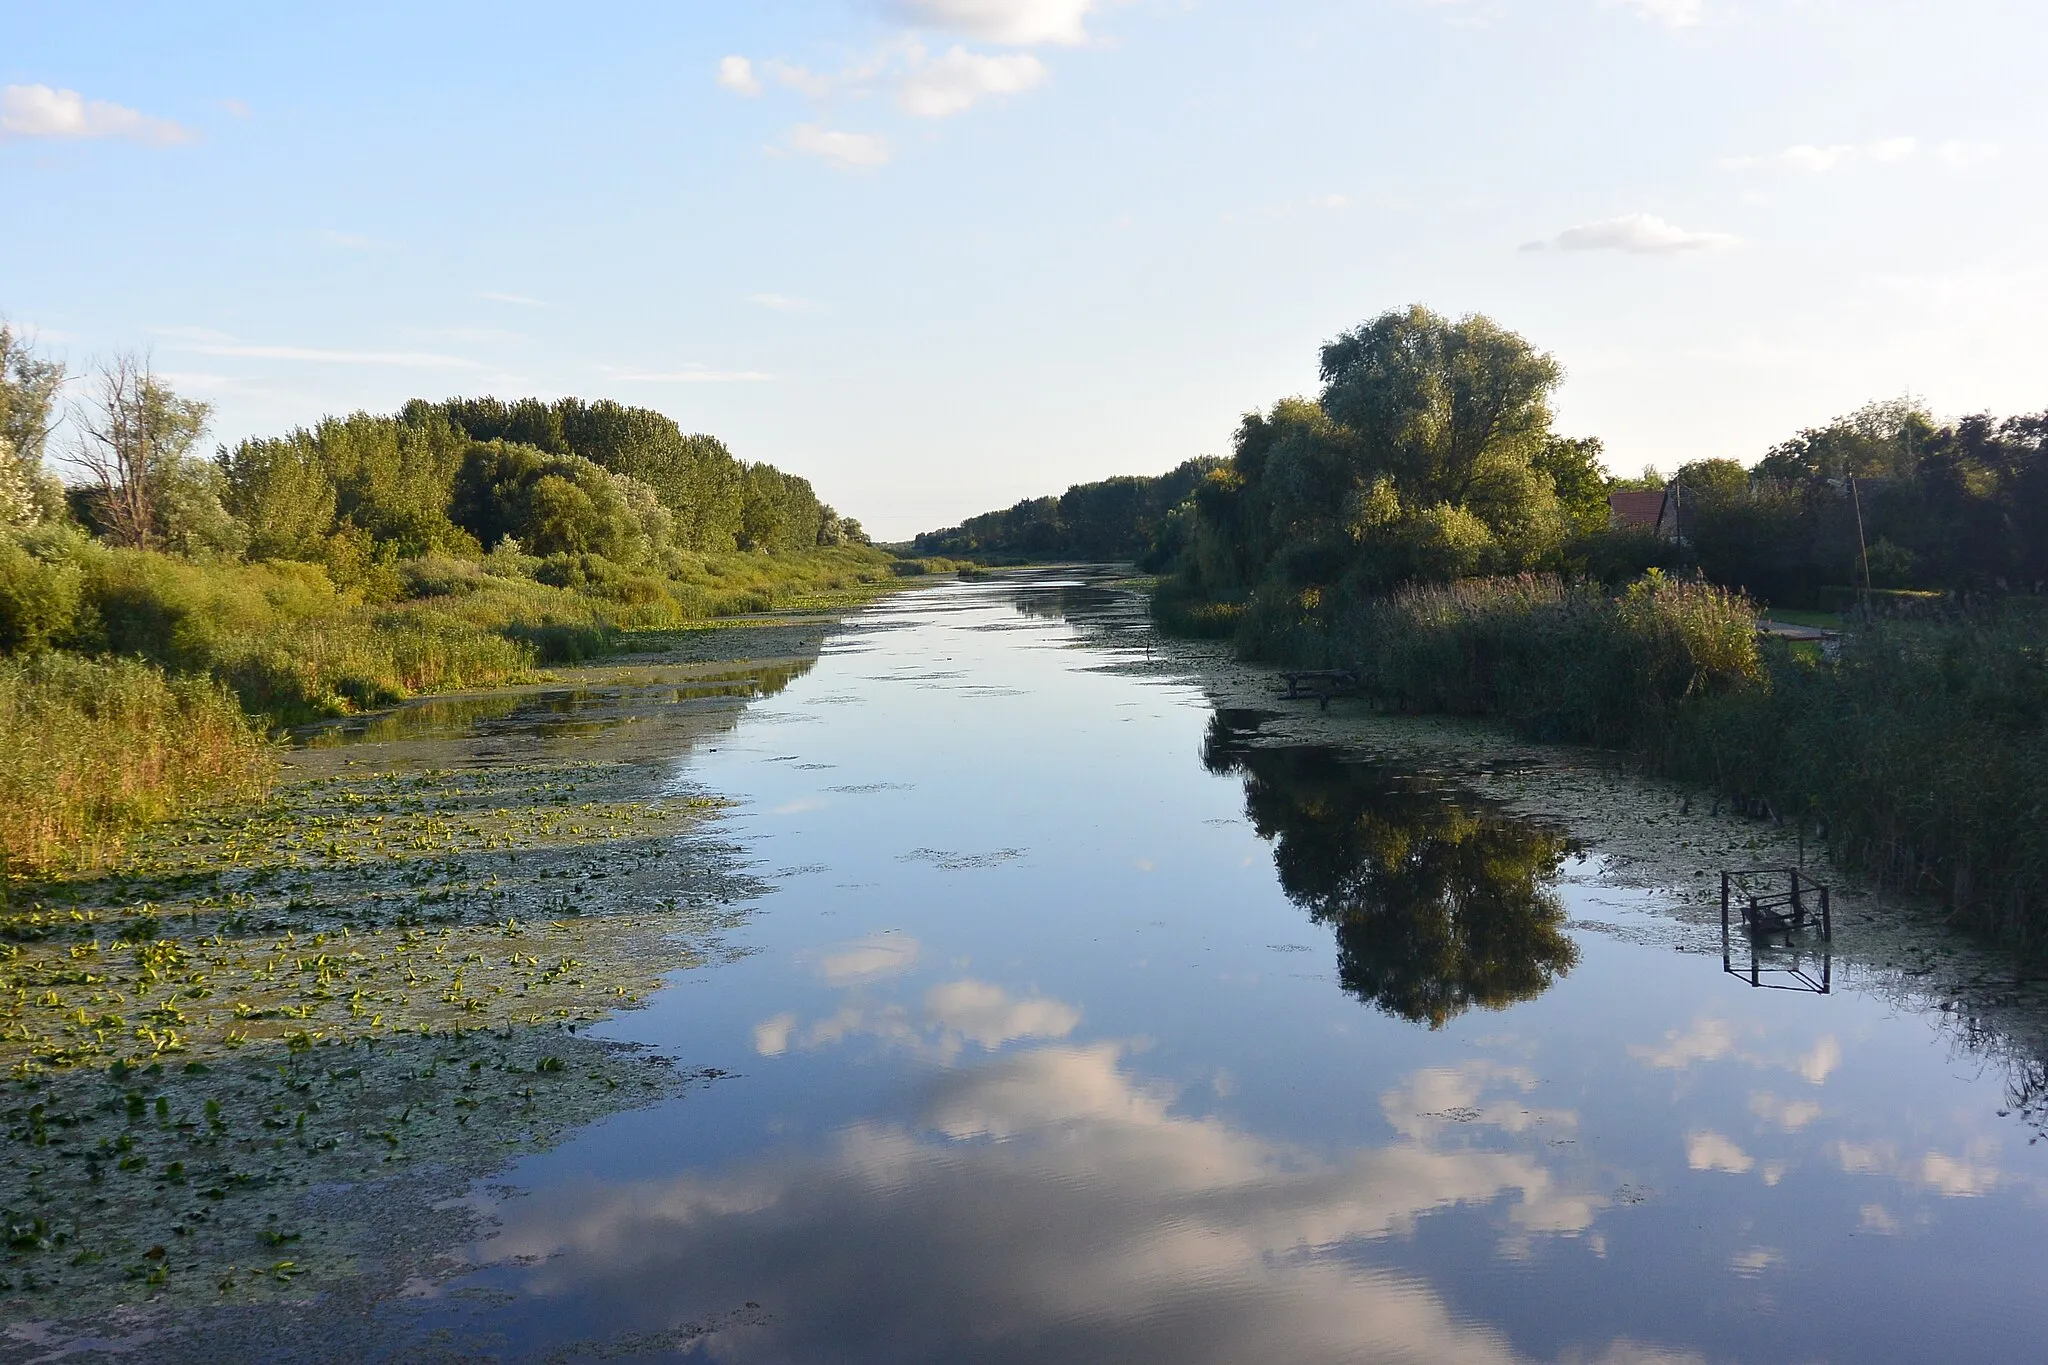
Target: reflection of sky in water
<point x="1032" y="1069"/>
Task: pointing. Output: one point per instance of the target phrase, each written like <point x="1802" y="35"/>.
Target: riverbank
<point x="252" y="1058"/>
<point x="121" y="707"/>
<point x="1643" y="835"/>
<point x="1912" y="751"/>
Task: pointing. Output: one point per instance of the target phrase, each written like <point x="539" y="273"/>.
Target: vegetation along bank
<point x="1420" y="523"/>
<point x="165" y="610"/>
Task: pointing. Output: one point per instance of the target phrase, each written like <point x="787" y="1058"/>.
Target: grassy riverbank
<point x="142" y="683"/>
<point x="1915" y="755"/>
<point x="248" y="1054"/>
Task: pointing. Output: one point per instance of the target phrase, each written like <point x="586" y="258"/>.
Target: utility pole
<point x="1862" y="550"/>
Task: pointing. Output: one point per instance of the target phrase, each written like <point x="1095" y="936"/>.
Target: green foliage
<point x="1437" y="907"/>
<point x="1428" y="456"/>
<point x="551" y="504"/>
<point x="39" y="592"/>
<point x="29" y="385"/>
<point x="1124" y="518"/>
<point x="283" y="490"/>
<point x="90" y="750"/>
<point x="1555" y="661"/>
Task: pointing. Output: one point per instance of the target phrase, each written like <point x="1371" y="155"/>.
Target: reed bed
<point x="92" y="750"/>
<point x="1918" y="753"/>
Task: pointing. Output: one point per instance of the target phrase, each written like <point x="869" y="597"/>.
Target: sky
<point x="939" y="255"/>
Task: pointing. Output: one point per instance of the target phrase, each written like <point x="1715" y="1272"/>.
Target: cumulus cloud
<point x="961" y="79"/>
<point x="956" y="1014"/>
<point x="988" y="1015"/>
<point x="1017" y="23"/>
<point x="1790" y="1115"/>
<point x="847" y="151"/>
<point x="522" y="300"/>
<point x="783" y="303"/>
<point x="1047" y="1204"/>
<point x="1813" y="159"/>
<point x="1707" y="1151"/>
<point x="1967" y="1176"/>
<point x="801" y="78"/>
<point x="737" y="75"/>
<point x="41" y="111"/>
<point x="1641" y="234"/>
<point x="869" y="959"/>
<point x="1963" y="155"/>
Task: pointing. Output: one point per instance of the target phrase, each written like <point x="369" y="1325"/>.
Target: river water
<point x="1086" y="1027"/>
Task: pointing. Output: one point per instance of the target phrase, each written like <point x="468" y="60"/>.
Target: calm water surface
<point x="1086" y="1029"/>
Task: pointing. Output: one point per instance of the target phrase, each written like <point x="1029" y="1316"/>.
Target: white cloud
<point x="690" y="374"/>
<point x="848" y="151"/>
<point x="1642" y="234"/>
<point x="1675" y="13"/>
<point x="737" y="75"/>
<point x="1755" y="1261"/>
<point x="1812" y="159"/>
<point x="869" y="958"/>
<point x="1015" y="22"/>
<point x="783" y="303"/>
<point x="204" y="341"/>
<point x="801" y="78"/>
<point x="1968" y="1176"/>
<point x="1963" y="155"/>
<point x="1046" y="1196"/>
<point x="1706" y="1151"/>
<point x="1877" y="1218"/>
<point x="771" y="1036"/>
<point x="986" y="1014"/>
<point x="237" y="108"/>
<point x="1790" y="1115"/>
<point x="352" y="240"/>
<point x="40" y="111"/>
<point x="521" y="299"/>
<point x="961" y="79"/>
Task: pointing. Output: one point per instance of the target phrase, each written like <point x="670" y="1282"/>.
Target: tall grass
<point x="91" y="750"/>
<point x="1922" y="751"/>
<point x="1919" y="753"/>
<point x="1555" y="661"/>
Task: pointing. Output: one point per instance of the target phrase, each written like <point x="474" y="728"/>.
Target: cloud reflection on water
<point x="1048" y="1204"/>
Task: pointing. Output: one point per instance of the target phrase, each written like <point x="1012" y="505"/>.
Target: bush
<point x="39" y="600"/>
<point x="90" y="751"/>
<point x="1557" y="662"/>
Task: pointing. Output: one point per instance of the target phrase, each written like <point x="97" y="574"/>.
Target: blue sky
<point x="942" y="254"/>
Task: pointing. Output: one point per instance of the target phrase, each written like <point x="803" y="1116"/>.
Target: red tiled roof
<point x="1639" y="510"/>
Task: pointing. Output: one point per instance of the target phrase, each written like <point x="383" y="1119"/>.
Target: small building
<point x="1653" y="510"/>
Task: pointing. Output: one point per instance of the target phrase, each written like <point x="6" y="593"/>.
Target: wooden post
<point x="1827" y="925"/>
<point x="1726" y="964"/>
<point x="1798" y="905"/>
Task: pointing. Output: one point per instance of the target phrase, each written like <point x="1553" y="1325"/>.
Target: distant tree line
<point x="1114" y="519"/>
<point x="1430" y="455"/>
<point x="1885" y="494"/>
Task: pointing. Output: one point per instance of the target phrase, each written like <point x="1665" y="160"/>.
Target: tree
<point x="1574" y="469"/>
<point x="136" y="437"/>
<point x="283" y="491"/>
<point x="29" y="385"/>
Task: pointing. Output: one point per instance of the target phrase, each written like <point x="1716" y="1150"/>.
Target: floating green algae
<point x="248" y="1060"/>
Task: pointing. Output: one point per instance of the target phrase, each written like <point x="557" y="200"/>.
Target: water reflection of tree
<point x="1438" y="906"/>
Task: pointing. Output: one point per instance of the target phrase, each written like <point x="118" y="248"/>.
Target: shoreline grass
<point x="1915" y="754"/>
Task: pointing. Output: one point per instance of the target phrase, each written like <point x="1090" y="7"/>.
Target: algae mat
<point x="249" y="1067"/>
